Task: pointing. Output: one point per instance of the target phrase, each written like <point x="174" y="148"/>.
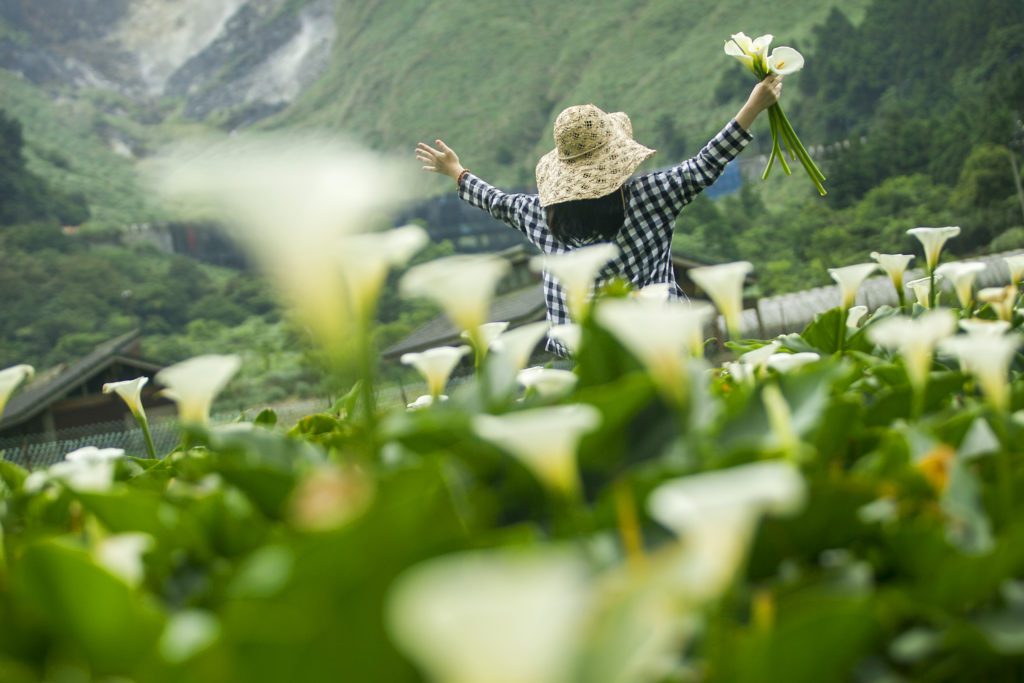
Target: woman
<point x="585" y="192"/>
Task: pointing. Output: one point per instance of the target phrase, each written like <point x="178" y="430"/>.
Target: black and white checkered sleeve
<point x="520" y="211"/>
<point x="676" y="187"/>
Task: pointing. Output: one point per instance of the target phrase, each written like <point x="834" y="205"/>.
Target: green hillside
<point x="489" y="77"/>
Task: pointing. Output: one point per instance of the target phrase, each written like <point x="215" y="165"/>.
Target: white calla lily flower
<point x="502" y="616"/>
<point x="121" y="555"/>
<point x="914" y="339"/>
<point x="894" y="265"/>
<point x="759" y="46"/>
<point x="658" y="334"/>
<point x="854" y="316"/>
<point x="724" y="284"/>
<point x="10" y="379"/>
<point x="758" y="357"/>
<point x="988" y="359"/>
<point x="1015" y="264"/>
<point x="130" y="392"/>
<point x="194" y="384"/>
<point x="715" y="514"/>
<point x="922" y="289"/>
<point x="976" y="327"/>
<point x="658" y="291"/>
<point x="517" y="345"/>
<point x="548" y="382"/>
<point x="462" y="285"/>
<point x="735" y="50"/>
<point x="287" y="200"/>
<point x="486" y="333"/>
<point x="366" y="258"/>
<point x="962" y="275"/>
<point x="787" y="362"/>
<point x="87" y="469"/>
<point x="576" y="271"/>
<point x="1001" y="299"/>
<point x="850" y="279"/>
<point x="543" y="439"/>
<point x="933" y="239"/>
<point x="436" y="365"/>
<point x="785" y="60"/>
<point x="425" y="401"/>
<point x="568" y="335"/>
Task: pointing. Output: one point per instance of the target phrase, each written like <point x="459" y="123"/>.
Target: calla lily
<point x="88" y="469"/>
<point x="657" y="334"/>
<point x="962" y="275"/>
<point x="517" y="345"/>
<point x="1001" y="299"/>
<point x="894" y="265"/>
<point x="544" y="439"/>
<point x="462" y="285"/>
<point x="576" y="271"/>
<point x="740" y="46"/>
<point x="130" y="392"/>
<point x="121" y="554"/>
<point x="486" y="333"/>
<point x="366" y="258"/>
<point x="988" y="360"/>
<point x="548" y="382"/>
<point x="568" y="334"/>
<point x="787" y="362"/>
<point x="850" y="279"/>
<point x="287" y="201"/>
<point x="715" y="514"/>
<point x="425" y="401"/>
<point x="740" y="372"/>
<point x="194" y="384"/>
<point x="854" y="316"/>
<point x="976" y="327"/>
<point x="10" y="379"/>
<point x="914" y="339"/>
<point x="785" y="60"/>
<point x="724" y="284"/>
<point x="659" y="291"/>
<point x="922" y="289"/>
<point x="1015" y="264"/>
<point x="758" y="357"/>
<point x="436" y="365"/>
<point x="759" y="46"/>
<point x="503" y="616"/>
<point x="932" y="239"/>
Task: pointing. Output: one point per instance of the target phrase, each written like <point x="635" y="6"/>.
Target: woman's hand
<point x="765" y="94"/>
<point x="443" y="160"/>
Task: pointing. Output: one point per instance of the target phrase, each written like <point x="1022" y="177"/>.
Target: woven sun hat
<point x="594" y="154"/>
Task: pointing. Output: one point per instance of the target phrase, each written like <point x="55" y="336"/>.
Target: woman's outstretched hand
<point x="765" y="94"/>
<point x="442" y="160"/>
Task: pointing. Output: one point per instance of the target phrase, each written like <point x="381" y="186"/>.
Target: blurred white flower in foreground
<point x="500" y="616"/>
<point x="547" y="382"/>
<point x="785" y="60"/>
<point x="988" y="359"/>
<point x="568" y="334"/>
<point x="10" y="379"/>
<point x="787" y="362"/>
<point x="366" y="258"/>
<point x="922" y="289"/>
<point x="425" y="401"/>
<point x="287" y="200"/>
<point x="724" y="284"/>
<point x="194" y="384"/>
<point x="436" y="365"/>
<point x="462" y="285"/>
<point x="1001" y="299"/>
<point x="88" y="469"/>
<point x="976" y="327"/>
<point x="516" y="346"/>
<point x="1015" y="264"/>
<point x="544" y="439"/>
<point x="962" y="275"/>
<point x="486" y="333"/>
<point x="715" y="514"/>
<point x="659" y="291"/>
<point x="660" y="334"/>
<point x="758" y="357"/>
<point x="849" y="279"/>
<point x="932" y="239"/>
<point x="576" y="271"/>
<point x="854" y="316"/>
<point x="121" y="554"/>
<point x="914" y="339"/>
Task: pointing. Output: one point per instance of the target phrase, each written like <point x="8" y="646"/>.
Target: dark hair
<point x="582" y="221"/>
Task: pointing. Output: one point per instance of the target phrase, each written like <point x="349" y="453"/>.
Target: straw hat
<point x="594" y="154"/>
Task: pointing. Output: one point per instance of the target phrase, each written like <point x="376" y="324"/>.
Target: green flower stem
<point x="144" y="425"/>
<point x="787" y="127"/>
<point x="1004" y="480"/>
<point x="842" y="329"/>
<point x="931" y="288"/>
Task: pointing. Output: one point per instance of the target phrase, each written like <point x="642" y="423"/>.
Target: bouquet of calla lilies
<point x="753" y="53"/>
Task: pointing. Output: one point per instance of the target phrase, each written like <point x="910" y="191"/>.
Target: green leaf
<point x="12" y="475"/>
<point x="823" y="332"/>
<point x="266" y="418"/>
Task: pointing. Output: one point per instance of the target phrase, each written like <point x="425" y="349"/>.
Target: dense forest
<point x="920" y="132"/>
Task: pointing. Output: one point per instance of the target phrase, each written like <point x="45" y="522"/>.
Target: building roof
<point x="55" y="384"/>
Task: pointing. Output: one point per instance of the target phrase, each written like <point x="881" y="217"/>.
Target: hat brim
<point x="594" y="174"/>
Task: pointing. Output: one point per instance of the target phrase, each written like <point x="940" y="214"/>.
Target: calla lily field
<point x="843" y="503"/>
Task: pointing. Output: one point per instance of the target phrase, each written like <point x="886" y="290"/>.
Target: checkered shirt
<point x="645" y="241"/>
